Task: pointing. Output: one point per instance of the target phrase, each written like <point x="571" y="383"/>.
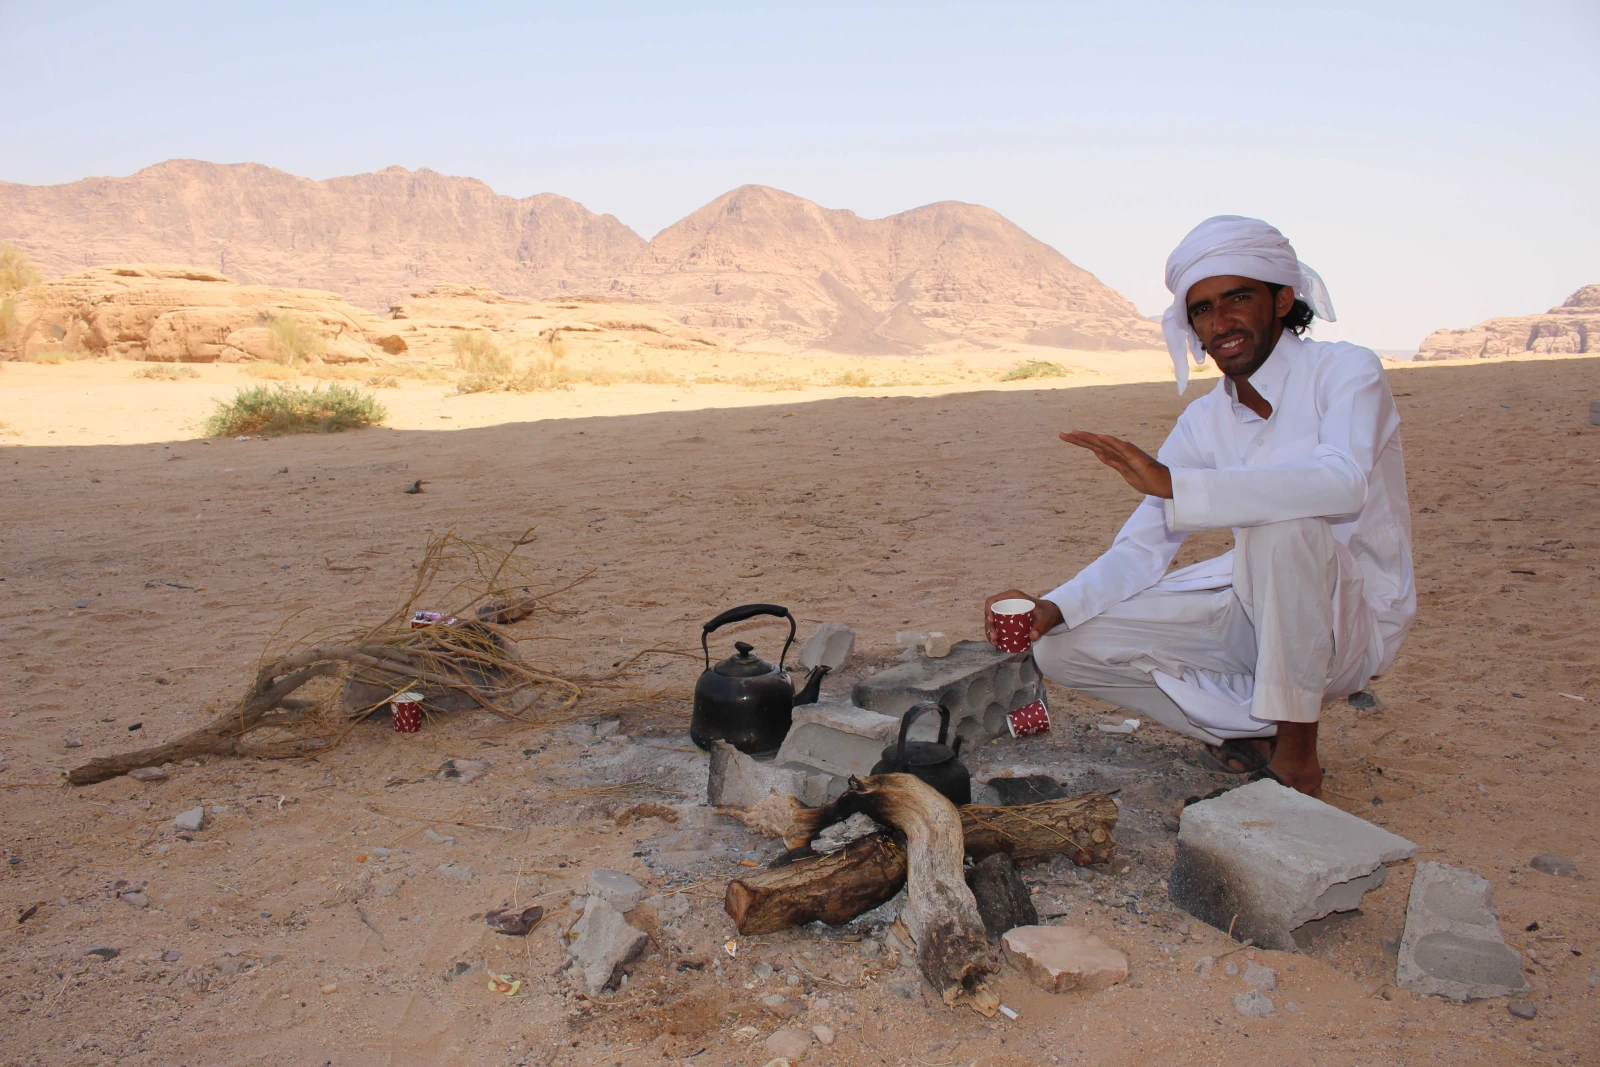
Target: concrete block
<point x="621" y="891"/>
<point x="1452" y="945"/>
<point x="736" y="780"/>
<point x="834" y="735"/>
<point x="1064" y="959"/>
<point x="1265" y="859"/>
<point x="976" y="681"/>
<point x="830" y="644"/>
<point x="602" y="942"/>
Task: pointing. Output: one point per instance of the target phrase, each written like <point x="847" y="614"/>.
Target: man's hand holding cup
<point x="1013" y="620"/>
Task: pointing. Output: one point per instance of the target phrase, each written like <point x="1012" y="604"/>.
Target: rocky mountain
<point x="1574" y="328"/>
<point x="758" y="266"/>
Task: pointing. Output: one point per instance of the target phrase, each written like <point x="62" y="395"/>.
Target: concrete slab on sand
<point x="1263" y="860"/>
<point x="834" y="735"/>
<point x="1452" y="946"/>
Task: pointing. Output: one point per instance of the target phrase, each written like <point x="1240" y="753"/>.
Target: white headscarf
<point x="1231" y="245"/>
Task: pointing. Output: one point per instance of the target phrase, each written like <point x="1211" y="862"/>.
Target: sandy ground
<point x="309" y="922"/>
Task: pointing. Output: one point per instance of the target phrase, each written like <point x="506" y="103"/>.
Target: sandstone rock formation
<point x="184" y="315"/>
<point x="759" y="266"/>
<point x="1572" y="328"/>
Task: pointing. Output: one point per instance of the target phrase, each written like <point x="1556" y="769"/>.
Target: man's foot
<point x="1241" y="756"/>
<point x="1294" y="758"/>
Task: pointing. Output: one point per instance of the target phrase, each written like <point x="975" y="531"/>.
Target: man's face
<point x="1238" y="321"/>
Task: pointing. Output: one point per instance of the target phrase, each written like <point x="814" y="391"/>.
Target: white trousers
<point x="1263" y="642"/>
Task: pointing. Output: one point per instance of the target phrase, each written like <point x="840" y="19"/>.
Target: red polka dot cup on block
<point x="1029" y="719"/>
<point x="407" y="711"/>
<point x="1012" y="623"/>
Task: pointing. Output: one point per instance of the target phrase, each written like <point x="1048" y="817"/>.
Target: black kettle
<point x="933" y="761"/>
<point x="744" y="700"/>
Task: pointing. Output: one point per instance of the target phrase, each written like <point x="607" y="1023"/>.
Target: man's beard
<point x="1246" y="359"/>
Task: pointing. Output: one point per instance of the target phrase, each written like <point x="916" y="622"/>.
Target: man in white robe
<point x="1297" y="450"/>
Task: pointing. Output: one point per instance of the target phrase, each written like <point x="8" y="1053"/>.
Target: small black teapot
<point x="933" y="761"/>
<point x="744" y="700"/>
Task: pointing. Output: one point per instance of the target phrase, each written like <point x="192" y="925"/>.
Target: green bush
<point x="1035" y="369"/>
<point x="291" y="409"/>
<point x="292" y="341"/>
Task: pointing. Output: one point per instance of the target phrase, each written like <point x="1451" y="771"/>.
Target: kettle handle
<point x="911" y="717"/>
<point x="741" y="613"/>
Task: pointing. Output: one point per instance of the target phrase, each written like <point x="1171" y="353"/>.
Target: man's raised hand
<point x="1137" y="467"/>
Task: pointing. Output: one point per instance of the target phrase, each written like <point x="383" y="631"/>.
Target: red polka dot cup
<point x="407" y="711"/>
<point x="1011" y="621"/>
<point x="1029" y="719"/>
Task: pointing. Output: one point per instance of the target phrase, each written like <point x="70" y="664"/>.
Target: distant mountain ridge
<point x="1573" y="328"/>
<point x="759" y="266"/>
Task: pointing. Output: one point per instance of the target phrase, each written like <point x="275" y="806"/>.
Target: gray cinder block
<point x="977" y="682"/>
<point x="1452" y="945"/>
<point x="1263" y="860"/>
<point x="834" y="735"/>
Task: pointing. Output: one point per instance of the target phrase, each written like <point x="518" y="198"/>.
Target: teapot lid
<point x="746" y="664"/>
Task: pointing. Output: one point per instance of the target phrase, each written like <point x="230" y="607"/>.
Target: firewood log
<point x="834" y="888"/>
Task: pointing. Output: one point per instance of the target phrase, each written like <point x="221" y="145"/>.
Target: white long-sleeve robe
<point x="1330" y="449"/>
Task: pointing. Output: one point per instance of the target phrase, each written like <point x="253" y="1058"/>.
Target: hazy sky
<point x="1436" y="162"/>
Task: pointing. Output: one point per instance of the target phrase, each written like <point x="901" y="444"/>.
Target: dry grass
<point x="63" y="356"/>
<point x="166" y="372"/>
<point x="1034" y="369"/>
<point x="293" y="341"/>
<point x="272" y="372"/>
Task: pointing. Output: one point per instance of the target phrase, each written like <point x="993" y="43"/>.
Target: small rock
<point x="762" y="971"/>
<point x="607" y="728"/>
<point x="460" y="872"/>
<point x="1253" y="1003"/>
<point x="137" y="899"/>
<point x="1085" y="874"/>
<point x="105" y="952"/>
<point x="1061" y="959"/>
<point x="1522" y="1009"/>
<point x="462" y="770"/>
<point x="829" y="644"/>
<point x="1203" y="965"/>
<point x="191" y="820"/>
<point x="792" y="980"/>
<point x="331" y="987"/>
<point x="171" y="956"/>
<point x="906" y="990"/>
<point x="414" y="488"/>
<point x="621" y="891"/>
<point x="1292" y="1008"/>
<point x="72" y="742"/>
<point x="823" y="1033"/>
<point x="789" y="1044"/>
<point x="774" y="1000"/>
<point x="1262" y="978"/>
<point x="1548" y="863"/>
<point x="602" y="943"/>
<point x="81" y="604"/>
<point x="1362" y="701"/>
<point x="1183" y="928"/>
<point x="148" y="774"/>
<point x="871" y="949"/>
<point x="1231" y="970"/>
<point x="438" y="838"/>
<point x="669" y="906"/>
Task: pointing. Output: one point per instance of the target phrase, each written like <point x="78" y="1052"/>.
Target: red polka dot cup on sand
<point x="1012" y="623"/>
<point x="1030" y="719"/>
<point x="407" y="711"/>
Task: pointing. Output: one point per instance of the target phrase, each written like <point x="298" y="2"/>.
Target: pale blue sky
<point x="1436" y="162"/>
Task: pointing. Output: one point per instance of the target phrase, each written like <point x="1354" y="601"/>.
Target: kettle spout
<point x="813" y="686"/>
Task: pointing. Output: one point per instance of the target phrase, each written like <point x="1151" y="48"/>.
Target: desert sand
<point x="145" y="573"/>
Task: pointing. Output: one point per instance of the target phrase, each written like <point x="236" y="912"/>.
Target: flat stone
<point x="762" y="970"/>
<point x="1265" y="859"/>
<point x="1064" y="959"/>
<point x="976" y="681"/>
<point x="834" y="735"/>
<point x="607" y="728"/>
<point x="191" y="820"/>
<point x="602" y="943"/>
<point x="437" y="838"/>
<point x="1261" y="977"/>
<point x="1522" y="1010"/>
<point x="621" y="891"/>
<point x="1549" y="863"/>
<point x="136" y="898"/>
<point x="789" y="1044"/>
<point x="1253" y="1003"/>
<point x="148" y="774"/>
<point x="1452" y="946"/>
<point x="736" y="780"/>
<point x="829" y="645"/>
<point x="824" y="1034"/>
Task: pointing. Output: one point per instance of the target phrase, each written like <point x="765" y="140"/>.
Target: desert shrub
<point x="337" y="373"/>
<point x="166" y="372"/>
<point x="17" y="272"/>
<point x="479" y="353"/>
<point x="383" y="381"/>
<point x="856" y="379"/>
<point x="1034" y="369"/>
<point x="272" y="372"/>
<point x="68" y="355"/>
<point x="292" y="341"/>
<point x="10" y="328"/>
<point x="291" y="409"/>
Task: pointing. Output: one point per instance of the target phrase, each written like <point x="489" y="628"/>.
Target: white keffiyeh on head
<point x="1231" y="245"/>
